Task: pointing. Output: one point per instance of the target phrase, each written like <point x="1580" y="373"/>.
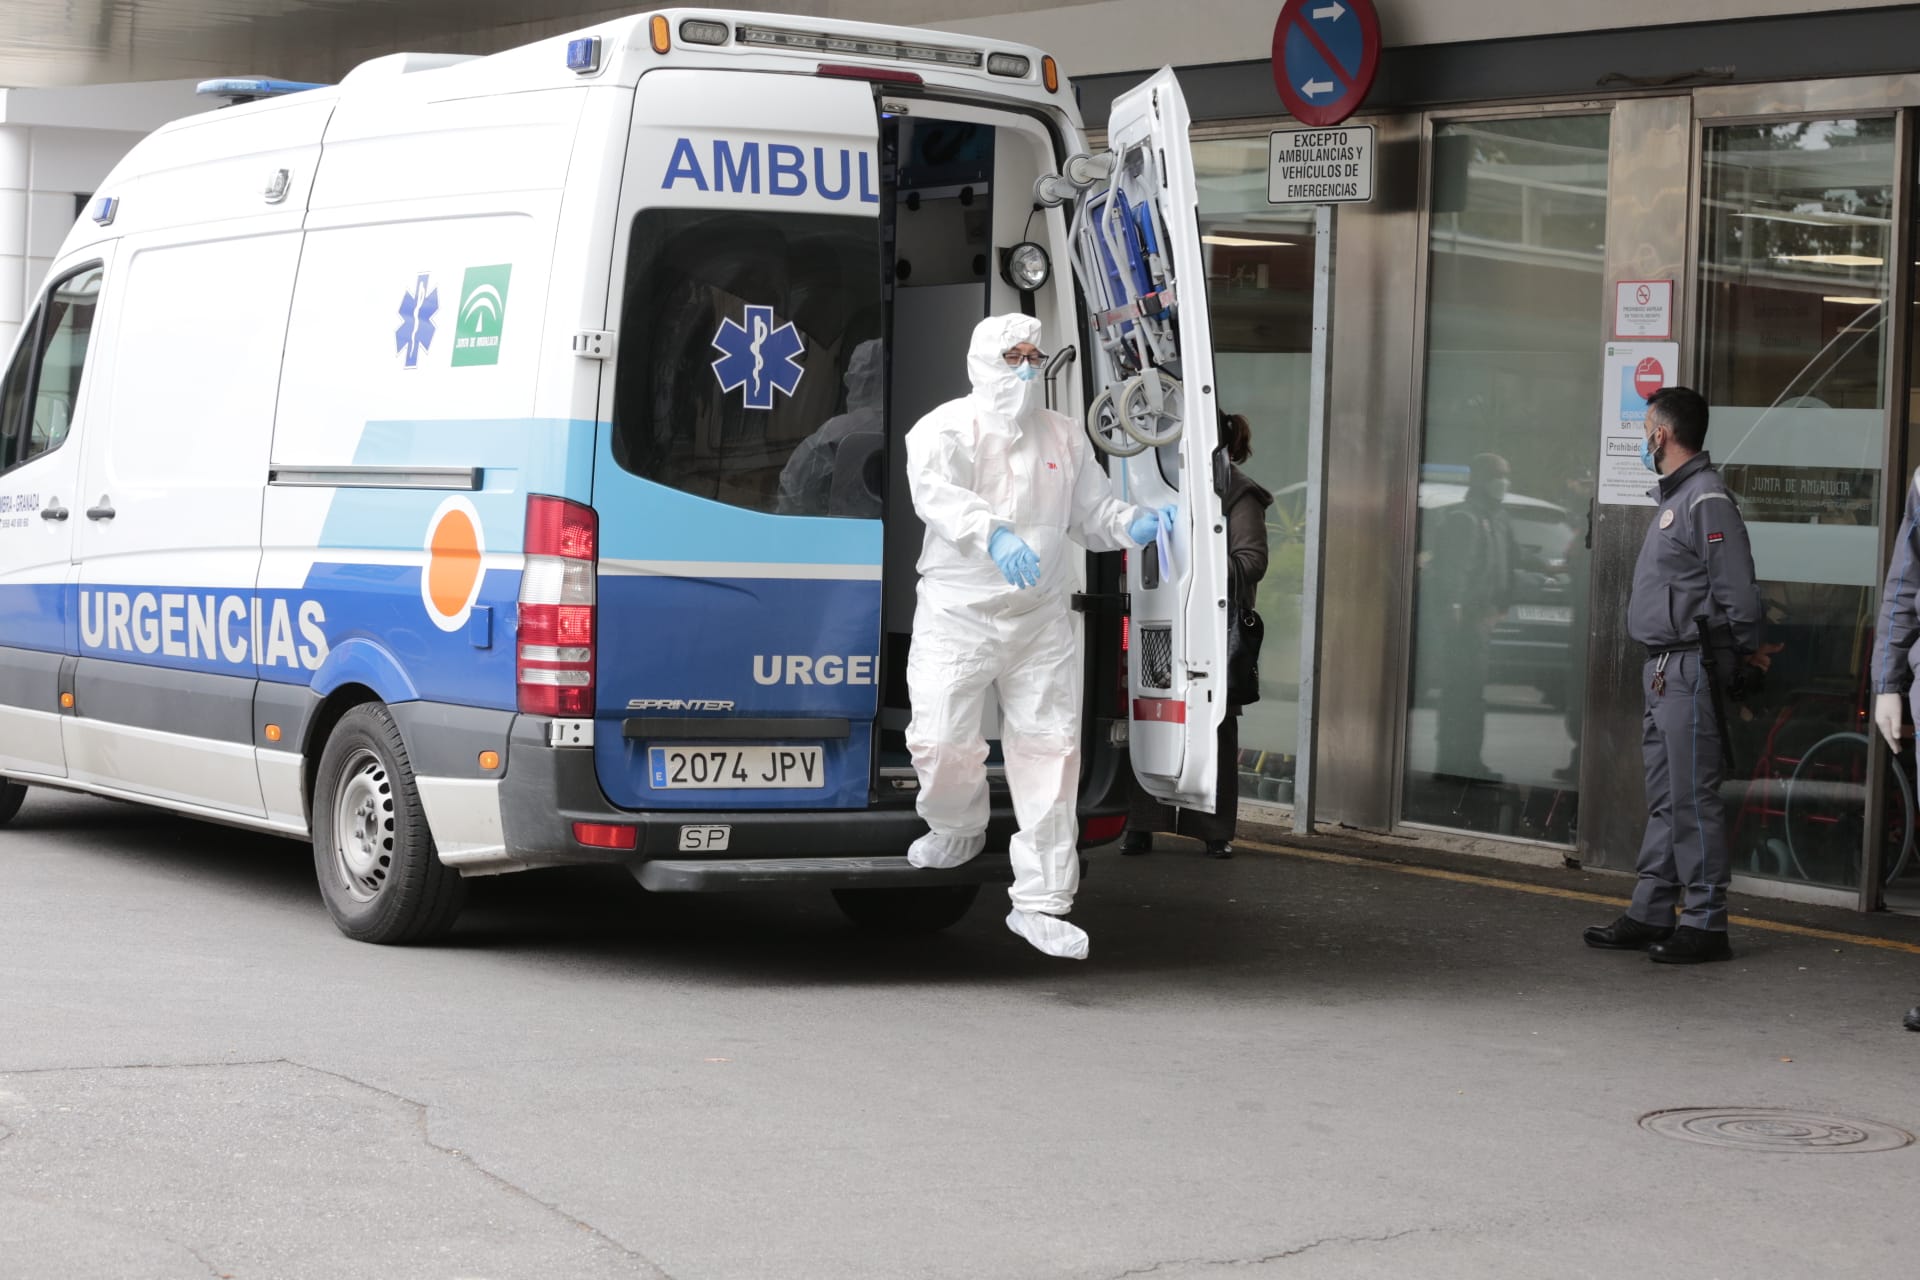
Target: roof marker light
<point x="661" y="33"/>
<point x="104" y="210"/>
<point x="1050" y="73"/>
<point x="1010" y="64"/>
<point x="239" y="89"/>
<point x="583" y="55"/>
<point x="696" y="31"/>
<point x="858" y="46"/>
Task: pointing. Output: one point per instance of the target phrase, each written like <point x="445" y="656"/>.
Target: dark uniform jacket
<point x="1696" y="561"/>
<point x="1893" y="642"/>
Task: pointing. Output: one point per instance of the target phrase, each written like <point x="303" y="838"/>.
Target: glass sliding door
<point x="1512" y="394"/>
<point x="1792" y="344"/>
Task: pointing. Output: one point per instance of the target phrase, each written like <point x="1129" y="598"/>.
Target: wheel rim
<point x="363" y="826"/>
<point x="1103" y="425"/>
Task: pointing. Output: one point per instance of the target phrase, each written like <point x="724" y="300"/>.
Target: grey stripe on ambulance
<point x="194" y="704"/>
<point x="30" y="679"/>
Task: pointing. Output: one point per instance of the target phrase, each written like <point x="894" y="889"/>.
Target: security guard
<point x="1695" y="563"/>
<point x="1894" y="641"/>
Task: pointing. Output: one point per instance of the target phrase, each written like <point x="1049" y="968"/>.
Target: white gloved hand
<point x="1887" y="714"/>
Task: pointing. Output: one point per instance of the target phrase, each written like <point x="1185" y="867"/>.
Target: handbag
<point x="1244" y="637"/>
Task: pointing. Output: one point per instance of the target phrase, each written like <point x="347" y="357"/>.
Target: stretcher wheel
<point x="1152" y="428"/>
<point x="1108" y="433"/>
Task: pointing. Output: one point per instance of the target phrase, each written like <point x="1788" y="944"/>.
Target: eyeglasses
<point x="1013" y="358"/>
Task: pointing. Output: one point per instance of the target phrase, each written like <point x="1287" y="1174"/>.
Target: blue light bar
<point x="583" y="55"/>
<point x="247" y="88"/>
<point x="105" y="209"/>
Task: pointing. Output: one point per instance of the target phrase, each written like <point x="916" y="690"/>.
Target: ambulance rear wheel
<point x="379" y="874"/>
<point x="11" y="796"/>
<point x="906" y="912"/>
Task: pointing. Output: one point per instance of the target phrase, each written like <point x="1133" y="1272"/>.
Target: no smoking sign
<point x="1648" y="377"/>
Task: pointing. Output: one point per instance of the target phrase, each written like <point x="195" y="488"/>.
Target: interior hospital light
<point x="1832" y="259"/>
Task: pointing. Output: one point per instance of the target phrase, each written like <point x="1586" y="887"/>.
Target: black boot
<point x="1689" y="945"/>
<point x="1136" y="842"/>
<point x="1626" y="934"/>
<point x="1913" y="1018"/>
<point x="1219" y="848"/>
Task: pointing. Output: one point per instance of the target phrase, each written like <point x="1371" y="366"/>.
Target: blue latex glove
<point x="1148" y="525"/>
<point x="1017" y="562"/>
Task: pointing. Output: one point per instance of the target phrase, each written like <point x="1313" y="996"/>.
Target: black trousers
<point x="1147" y="814"/>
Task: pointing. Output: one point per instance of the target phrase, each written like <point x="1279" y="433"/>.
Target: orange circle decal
<point x="455" y="550"/>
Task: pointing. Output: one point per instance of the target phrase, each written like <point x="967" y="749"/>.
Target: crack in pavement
<point x="1271" y="1257"/>
<point x="49" y="1202"/>
<point x="421" y="1117"/>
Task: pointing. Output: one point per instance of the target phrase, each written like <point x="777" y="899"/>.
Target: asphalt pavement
<point x="1290" y="1064"/>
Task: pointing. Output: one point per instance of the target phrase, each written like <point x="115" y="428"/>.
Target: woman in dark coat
<point x="1246" y="506"/>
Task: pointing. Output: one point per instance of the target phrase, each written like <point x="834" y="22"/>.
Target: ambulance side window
<point x="43" y="385"/>
<point x="750" y="366"/>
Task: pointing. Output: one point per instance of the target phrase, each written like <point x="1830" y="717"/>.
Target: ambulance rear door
<point x="1137" y="253"/>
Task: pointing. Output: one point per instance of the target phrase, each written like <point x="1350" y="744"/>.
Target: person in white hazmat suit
<point x="1004" y="485"/>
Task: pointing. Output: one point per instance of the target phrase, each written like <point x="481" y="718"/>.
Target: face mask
<point x="1648" y="458"/>
<point x="1497" y="490"/>
<point x="1026" y="372"/>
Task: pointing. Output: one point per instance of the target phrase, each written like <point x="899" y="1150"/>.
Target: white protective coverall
<point x="999" y="460"/>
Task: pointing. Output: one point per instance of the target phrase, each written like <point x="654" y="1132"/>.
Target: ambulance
<point x="497" y="463"/>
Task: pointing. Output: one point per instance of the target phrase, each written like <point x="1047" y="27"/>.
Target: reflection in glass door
<point x="1512" y="392"/>
<point x="1793" y="341"/>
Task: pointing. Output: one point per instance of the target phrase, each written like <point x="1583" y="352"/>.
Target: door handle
<point x="102" y="512"/>
<point x="54" y="511"/>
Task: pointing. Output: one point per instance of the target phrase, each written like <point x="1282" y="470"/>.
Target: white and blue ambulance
<point x="496" y="463"/>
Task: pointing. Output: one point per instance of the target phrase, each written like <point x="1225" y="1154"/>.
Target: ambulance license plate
<point x="737" y="768"/>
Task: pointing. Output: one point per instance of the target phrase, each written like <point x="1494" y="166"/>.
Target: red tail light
<point x="1102" y="830"/>
<point x="606" y="835"/>
<point x="882" y="75"/>
<point x="558" y="591"/>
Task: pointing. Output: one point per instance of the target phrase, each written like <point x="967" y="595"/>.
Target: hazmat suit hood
<point x="866" y="376"/>
<point x="997" y="387"/>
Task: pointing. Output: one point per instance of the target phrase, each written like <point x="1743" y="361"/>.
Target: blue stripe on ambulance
<point x="704" y="603"/>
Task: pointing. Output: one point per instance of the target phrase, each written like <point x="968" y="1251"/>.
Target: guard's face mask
<point x="1497" y="490"/>
<point x="1650" y="456"/>
<point x="1027" y="373"/>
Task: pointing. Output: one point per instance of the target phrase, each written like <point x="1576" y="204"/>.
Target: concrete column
<point x="16" y="171"/>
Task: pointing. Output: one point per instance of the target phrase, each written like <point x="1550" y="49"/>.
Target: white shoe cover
<point x="932" y="850"/>
<point x="1050" y="934"/>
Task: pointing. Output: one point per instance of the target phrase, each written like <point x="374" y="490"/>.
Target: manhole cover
<point x="1768" y="1129"/>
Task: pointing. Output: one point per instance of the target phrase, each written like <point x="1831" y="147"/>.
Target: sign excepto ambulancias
<point x="1325" y="54"/>
<point x="1320" y="166"/>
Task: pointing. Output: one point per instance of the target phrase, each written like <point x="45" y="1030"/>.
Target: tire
<point x="11" y="795"/>
<point x="379" y="874"/>
<point x="907" y="912"/>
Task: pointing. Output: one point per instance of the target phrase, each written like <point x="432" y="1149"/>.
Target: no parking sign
<point x="1325" y="54"/>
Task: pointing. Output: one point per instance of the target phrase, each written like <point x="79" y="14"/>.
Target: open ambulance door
<point x="1137" y="254"/>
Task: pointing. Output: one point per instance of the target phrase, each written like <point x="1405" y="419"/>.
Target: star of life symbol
<point x="758" y="357"/>
<point x="417" y="310"/>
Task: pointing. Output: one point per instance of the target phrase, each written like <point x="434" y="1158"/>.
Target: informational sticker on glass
<point x="1631" y="372"/>
<point x="1804" y="495"/>
<point x="1320" y="166"/>
<point x="1643" y="309"/>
